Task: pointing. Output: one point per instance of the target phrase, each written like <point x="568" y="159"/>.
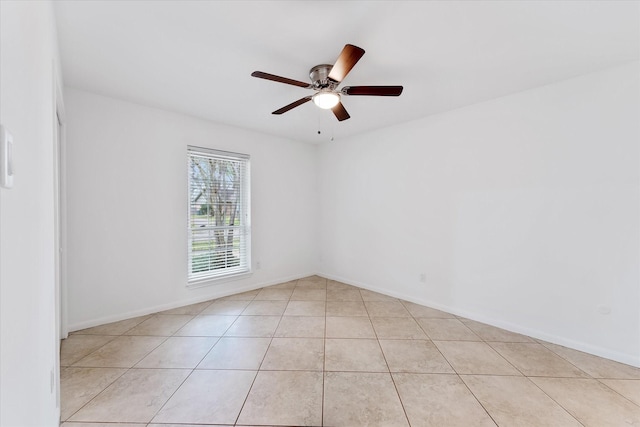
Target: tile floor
<point x="316" y="352"/>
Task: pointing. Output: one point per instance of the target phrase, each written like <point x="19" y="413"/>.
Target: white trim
<point x="217" y="280"/>
<point x="59" y="228"/>
<point x="62" y="221"/>
<point x="162" y="307"/>
<point x="629" y="359"/>
<point x="218" y="153"/>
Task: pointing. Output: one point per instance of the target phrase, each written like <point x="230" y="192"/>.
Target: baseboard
<point x="629" y="359"/>
<point x="175" y="304"/>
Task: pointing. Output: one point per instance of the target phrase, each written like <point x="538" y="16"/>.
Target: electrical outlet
<point x="423" y="278"/>
<point x="258" y="265"/>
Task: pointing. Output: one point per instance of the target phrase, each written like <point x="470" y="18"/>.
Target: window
<point x="219" y="227"/>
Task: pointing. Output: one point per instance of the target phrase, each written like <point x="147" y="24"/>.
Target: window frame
<point x="209" y="277"/>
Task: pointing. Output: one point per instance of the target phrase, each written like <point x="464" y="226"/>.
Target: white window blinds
<point x="219" y="223"/>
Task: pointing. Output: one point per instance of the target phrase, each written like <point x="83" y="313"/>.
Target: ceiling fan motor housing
<point x="319" y="75"/>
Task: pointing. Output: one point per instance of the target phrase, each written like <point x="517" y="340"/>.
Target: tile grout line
<point x="143" y="357"/>
<point x="89" y="354"/>
<point x="436" y="347"/>
<point x="244" y="402"/>
<point x="455" y="372"/>
<point x="98" y="394"/>
<point x="555" y="401"/>
<point x="477" y="399"/>
<point x="107" y="367"/>
<point x="147" y="354"/>
<point x="172" y="394"/>
<point x="192" y="369"/>
<point x="580" y="378"/>
<point x="567" y="360"/>
<point x="393" y="381"/>
<point x="505" y="359"/>
<point x="488" y="343"/>
<point x="104" y="335"/>
<point x="616" y="391"/>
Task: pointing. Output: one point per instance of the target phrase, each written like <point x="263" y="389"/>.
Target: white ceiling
<point x="196" y="57"/>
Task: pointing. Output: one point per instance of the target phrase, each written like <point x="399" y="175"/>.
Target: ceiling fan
<point x="326" y="78"/>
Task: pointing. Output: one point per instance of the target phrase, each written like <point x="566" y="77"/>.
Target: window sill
<point x="211" y="281"/>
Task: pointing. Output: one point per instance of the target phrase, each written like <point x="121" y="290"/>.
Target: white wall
<point x="522" y="212"/>
<point x="28" y="52"/>
<point x="127" y="207"/>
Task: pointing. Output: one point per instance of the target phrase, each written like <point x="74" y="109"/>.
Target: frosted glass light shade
<point x="326" y="100"/>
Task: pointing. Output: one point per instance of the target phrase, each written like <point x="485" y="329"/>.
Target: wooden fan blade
<point x="273" y="77"/>
<point x="372" y="90"/>
<point x="340" y="112"/>
<point x="292" y="105"/>
<point x="349" y="56"/>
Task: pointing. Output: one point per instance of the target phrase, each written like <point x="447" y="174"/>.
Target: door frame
<point x="61" y="216"/>
<point x="59" y="228"/>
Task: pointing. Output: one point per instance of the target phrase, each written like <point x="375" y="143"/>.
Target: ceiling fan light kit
<point x="326" y="100"/>
<point x="325" y="79"/>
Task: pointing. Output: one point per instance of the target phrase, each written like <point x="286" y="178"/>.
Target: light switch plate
<point x="6" y="158"/>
